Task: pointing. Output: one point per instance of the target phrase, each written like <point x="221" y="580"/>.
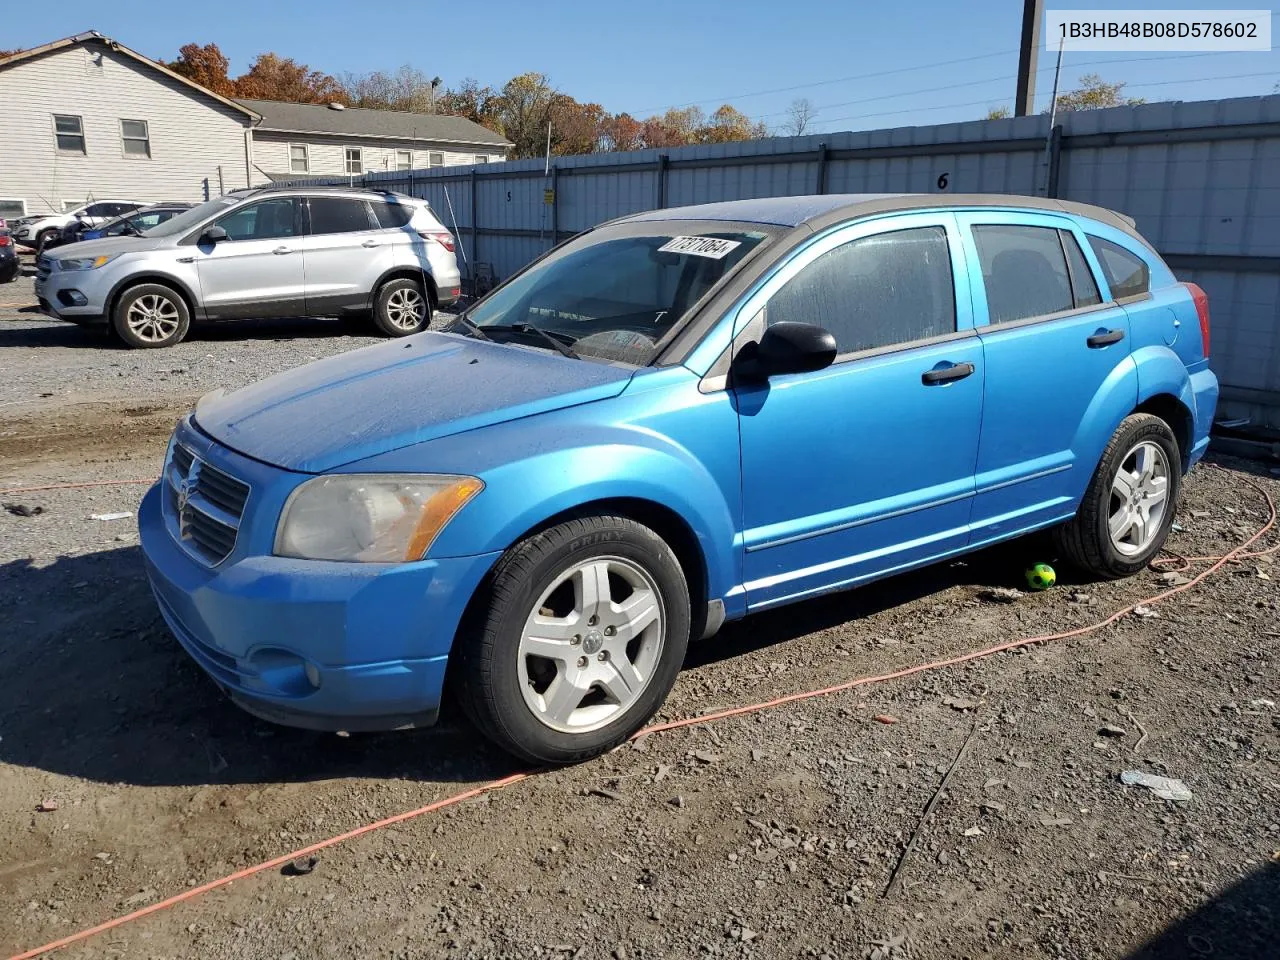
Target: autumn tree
<point x="407" y="89"/>
<point x="476" y="103"/>
<point x="272" y="77"/>
<point x="575" y="127"/>
<point x="799" y="116"/>
<point x="206" y="65"/>
<point x="621" y="132"/>
<point x="1095" y="93"/>
<point x="8" y="53"/>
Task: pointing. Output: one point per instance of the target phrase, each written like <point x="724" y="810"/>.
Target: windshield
<point x="616" y="296"/>
<point x="193" y="217"/>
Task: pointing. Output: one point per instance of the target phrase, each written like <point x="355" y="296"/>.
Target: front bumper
<point x="78" y="295"/>
<point x="326" y="646"/>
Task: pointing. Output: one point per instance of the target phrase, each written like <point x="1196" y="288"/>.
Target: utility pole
<point x="1028" y="56"/>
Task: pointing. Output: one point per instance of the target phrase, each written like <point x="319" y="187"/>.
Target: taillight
<point x="5" y="240"/>
<point x="442" y="237"/>
<point x="1201" y="300"/>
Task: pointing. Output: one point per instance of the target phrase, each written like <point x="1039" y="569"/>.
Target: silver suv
<point x="269" y="252"/>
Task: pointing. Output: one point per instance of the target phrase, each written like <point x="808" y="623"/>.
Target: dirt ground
<point x="772" y="834"/>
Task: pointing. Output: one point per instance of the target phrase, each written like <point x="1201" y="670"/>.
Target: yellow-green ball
<point x="1041" y="577"/>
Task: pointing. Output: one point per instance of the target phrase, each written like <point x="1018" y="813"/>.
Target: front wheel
<point x="401" y="307"/>
<point x="151" y="315"/>
<point x="585" y="630"/>
<point x="1129" y="506"/>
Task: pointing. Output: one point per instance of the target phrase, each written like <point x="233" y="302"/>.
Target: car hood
<point x="381" y="398"/>
<point x="107" y="245"/>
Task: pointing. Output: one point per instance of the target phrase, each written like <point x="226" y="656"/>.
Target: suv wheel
<point x="402" y="307"/>
<point x="151" y="315"/>
<point x="43" y="238"/>
<point x="1128" y="508"/>
<point x="584" y="633"/>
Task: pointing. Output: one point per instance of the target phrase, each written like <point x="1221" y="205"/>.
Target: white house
<point x="87" y="118"/>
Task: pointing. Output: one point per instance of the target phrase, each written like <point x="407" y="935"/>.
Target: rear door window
<point x="1127" y="274"/>
<point x="1084" y="289"/>
<point x="1024" y="271"/>
<point x="877" y="291"/>
<point x="339" y="215"/>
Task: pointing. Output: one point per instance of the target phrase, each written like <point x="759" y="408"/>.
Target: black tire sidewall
<point x="121" y="327"/>
<point x="1130" y="434"/>
<point x="384" y="325"/>
<point x="43" y="238"/>
<point x="517" y="728"/>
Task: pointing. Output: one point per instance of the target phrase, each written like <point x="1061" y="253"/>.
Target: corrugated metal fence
<point x="1202" y="180"/>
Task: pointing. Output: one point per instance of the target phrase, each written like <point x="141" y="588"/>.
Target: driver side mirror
<point x="213" y="235"/>
<point x="786" y="347"/>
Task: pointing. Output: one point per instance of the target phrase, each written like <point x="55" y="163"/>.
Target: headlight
<point x="86" y="263"/>
<point x="374" y="518"/>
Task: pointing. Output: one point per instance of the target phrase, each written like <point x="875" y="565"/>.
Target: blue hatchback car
<point x="673" y="420"/>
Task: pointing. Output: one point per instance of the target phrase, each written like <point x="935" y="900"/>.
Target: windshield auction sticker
<point x="1139" y="30"/>
<point x="714" y="247"/>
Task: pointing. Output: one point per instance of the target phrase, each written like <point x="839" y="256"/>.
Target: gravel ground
<point x="767" y="835"/>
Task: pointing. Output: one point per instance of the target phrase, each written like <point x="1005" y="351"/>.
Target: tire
<point x="1087" y="540"/>
<point x="43" y="238"/>
<point x="151" y="315"/>
<point x="402" y="308"/>
<point x="556" y="711"/>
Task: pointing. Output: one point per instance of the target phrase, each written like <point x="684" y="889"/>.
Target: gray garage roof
<point x="356" y="122"/>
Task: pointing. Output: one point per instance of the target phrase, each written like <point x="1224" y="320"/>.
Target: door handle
<point x="369" y="243"/>
<point x="279" y="250"/>
<point x="1105" y="339"/>
<point x="957" y="371"/>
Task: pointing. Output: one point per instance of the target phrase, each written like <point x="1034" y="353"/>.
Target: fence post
<point x="555" y="205"/>
<point x="663" y="160"/>
<point x="1055" y="161"/>
<point x="475" y="233"/>
<point x="822" y="168"/>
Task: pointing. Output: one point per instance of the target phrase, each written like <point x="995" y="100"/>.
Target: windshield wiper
<point x="472" y="326"/>
<point x="562" y="348"/>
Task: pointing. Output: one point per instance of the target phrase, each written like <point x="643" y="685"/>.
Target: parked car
<point x="9" y="265"/>
<point x="269" y="252"/>
<point x="130" y="225"/>
<point x="675" y="419"/>
<point x="38" y="232"/>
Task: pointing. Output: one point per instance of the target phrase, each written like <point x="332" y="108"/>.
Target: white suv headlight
<point x="372" y="518"/>
<point x="86" y="263"/>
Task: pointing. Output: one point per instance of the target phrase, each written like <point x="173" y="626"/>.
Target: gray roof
<point x="821" y="210"/>
<point x="357" y="122"/>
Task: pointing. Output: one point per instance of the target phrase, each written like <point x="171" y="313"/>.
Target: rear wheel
<point x="584" y="632"/>
<point x="151" y="315"/>
<point x="1129" y="506"/>
<point x="402" y="307"/>
<point x="43" y="238"/>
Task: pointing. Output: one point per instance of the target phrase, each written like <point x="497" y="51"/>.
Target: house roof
<point x="320" y="118"/>
<point x="94" y="37"/>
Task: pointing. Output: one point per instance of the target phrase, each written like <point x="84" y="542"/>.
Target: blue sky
<point x="864" y="65"/>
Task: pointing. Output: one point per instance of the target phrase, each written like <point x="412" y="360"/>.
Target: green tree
<point x="1094" y="93"/>
<point x="998" y="113"/>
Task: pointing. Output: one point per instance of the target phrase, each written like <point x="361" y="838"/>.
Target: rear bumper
<point x="325" y="646"/>
<point x="1204" y="387"/>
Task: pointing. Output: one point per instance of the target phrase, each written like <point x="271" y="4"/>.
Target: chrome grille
<point x="208" y="504"/>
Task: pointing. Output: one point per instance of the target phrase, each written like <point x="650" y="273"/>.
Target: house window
<point x="482" y="159"/>
<point x="137" y="138"/>
<point x="355" y="160"/>
<point x="68" y="131"/>
<point x="12" y="209"/>
<point x="404" y="159"/>
<point x="435" y="159"/>
<point x="299" y="158"/>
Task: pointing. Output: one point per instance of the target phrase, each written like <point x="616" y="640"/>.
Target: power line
<point x="822" y="83"/>
<point x="987" y="100"/>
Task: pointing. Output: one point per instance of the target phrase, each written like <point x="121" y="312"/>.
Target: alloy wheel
<point x="153" y="317"/>
<point x="1139" y="498"/>
<point x="406" y="308"/>
<point x="591" y="645"/>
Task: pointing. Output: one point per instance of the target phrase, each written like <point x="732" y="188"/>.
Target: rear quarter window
<point x="391" y="216"/>
<point x="1127" y="274"/>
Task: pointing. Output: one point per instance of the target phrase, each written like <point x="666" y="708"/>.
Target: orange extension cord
<point x="1239" y="553"/>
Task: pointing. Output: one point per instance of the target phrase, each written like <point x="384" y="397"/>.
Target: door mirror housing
<point x="213" y="234"/>
<point x="786" y="347"/>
